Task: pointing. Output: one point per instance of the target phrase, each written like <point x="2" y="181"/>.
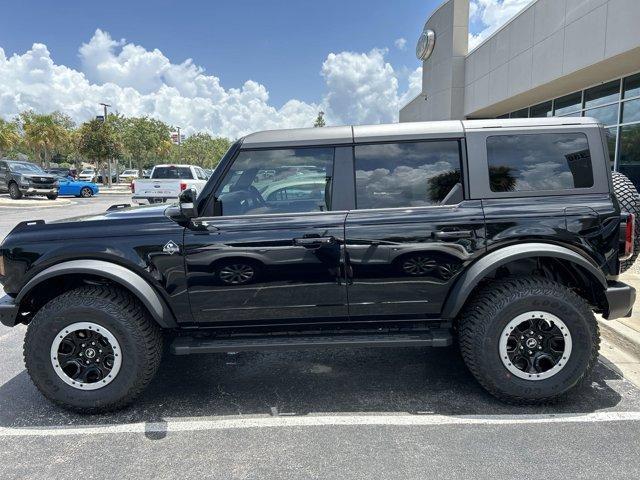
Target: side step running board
<point x="189" y="345"/>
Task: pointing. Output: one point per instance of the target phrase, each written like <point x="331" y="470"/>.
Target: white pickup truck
<point x="166" y="183"/>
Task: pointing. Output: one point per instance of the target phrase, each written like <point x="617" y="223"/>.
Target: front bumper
<point x="8" y="311"/>
<point x="39" y="191"/>
<point x="620" y="298"/>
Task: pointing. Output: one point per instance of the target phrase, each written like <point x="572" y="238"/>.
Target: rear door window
<point x="537" y="162"/>
<point x="406" y="174"/>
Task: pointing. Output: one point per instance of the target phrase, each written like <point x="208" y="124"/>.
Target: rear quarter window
<point x="183" y="173"/>
<point x="538" y="162"/>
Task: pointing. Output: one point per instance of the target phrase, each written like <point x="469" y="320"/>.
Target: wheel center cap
<point x="90" y="353"/>
<point x="531" y="343"/>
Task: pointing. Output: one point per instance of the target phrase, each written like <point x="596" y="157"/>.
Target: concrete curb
<point x="623" y="337"/>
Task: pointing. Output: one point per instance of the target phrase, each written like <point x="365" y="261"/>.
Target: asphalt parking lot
<point x="338" y="413"/>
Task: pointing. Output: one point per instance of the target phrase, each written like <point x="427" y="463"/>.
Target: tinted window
<point x="411" y="174"/>
<point x="278" y="181"/>
<point x="607" y="93"/>
<point x="172" y="172"/>
<point x="545" y="161"/>
<point x="542" y="110"/>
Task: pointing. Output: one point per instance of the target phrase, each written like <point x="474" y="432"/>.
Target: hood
<point x="120" y="222"/>
<point x="121" y="214"/>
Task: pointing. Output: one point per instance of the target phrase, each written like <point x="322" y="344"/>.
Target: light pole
<point x="106" y="106"/>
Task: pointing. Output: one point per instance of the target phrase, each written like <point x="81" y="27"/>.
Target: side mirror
<point x="187" y="202"/>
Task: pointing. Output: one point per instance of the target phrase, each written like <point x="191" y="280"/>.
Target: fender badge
<point x="171" y="247"/>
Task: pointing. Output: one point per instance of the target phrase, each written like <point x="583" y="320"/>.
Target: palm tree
<point x="44" y="133"/>
<point x="9" y="136"/>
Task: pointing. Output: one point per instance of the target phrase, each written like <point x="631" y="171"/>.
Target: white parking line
<point x="316" y="421"/>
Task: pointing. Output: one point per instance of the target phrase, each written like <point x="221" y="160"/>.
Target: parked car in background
<point x="88" y="175"/>
<point x="27" y="179"/>
<point x="76" y="188"/>
<point x="167" y="181"/>
<point x="208" y="171"/>
<point x="146" y="173"/>
<point x="63" y="172"/>
<point x="129" y="174"/>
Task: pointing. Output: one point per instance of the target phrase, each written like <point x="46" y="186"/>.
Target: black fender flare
<point x="123" y="276"/>
<point x="470" y="279"/>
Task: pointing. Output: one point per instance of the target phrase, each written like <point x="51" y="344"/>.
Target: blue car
<point x="77" y="188"/>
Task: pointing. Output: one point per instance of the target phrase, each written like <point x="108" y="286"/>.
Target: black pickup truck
<point x="502" y="236"/>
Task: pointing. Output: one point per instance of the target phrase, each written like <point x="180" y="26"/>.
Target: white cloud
<point x="401" y="43"/>
<point x="360" y="88"/>
<point x="491" y="15"/>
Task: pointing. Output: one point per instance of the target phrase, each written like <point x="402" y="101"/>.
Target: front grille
<point x="42" y="181"/>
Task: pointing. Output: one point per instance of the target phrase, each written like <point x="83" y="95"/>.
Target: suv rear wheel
<point x="92" y="349"/>
<point x="528" y="340"/>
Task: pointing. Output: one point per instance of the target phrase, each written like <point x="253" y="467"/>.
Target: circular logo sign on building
<point x="427" y="41"/>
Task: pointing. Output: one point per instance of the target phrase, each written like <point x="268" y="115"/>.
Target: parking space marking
<point x="176" y="426"/>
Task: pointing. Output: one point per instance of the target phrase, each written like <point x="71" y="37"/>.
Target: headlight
<point x="24" y="182"/>
<point x="56" y="183"/>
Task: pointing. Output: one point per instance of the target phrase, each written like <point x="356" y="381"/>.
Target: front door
<point x="274" y="255"/>
<point x="412" y="232"/>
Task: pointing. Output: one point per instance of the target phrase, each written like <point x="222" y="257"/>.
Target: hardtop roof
<point x="347" y="135"/>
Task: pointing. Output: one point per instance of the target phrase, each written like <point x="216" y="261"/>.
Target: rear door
<point x="412" y="232"/>
<point x="264" y="260"/>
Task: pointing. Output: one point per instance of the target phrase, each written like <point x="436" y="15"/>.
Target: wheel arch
<point x="99" y="269"/>
<point x="510" y="255"/>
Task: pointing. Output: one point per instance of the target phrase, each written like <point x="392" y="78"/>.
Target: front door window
<point x="296" y="180"/>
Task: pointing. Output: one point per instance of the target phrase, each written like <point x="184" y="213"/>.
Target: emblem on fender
<point x="171" y="247"/>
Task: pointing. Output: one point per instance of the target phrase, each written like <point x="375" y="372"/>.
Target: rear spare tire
<point x="629" y="199"/>
<point x="92" y="349"/>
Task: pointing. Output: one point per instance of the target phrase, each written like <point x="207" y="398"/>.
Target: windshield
<point x="25" y="168"/>
<point x="172" y="172"/>
<point x="86" y="172"/>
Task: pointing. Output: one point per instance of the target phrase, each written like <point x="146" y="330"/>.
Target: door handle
<point x="454" y="234"/>
<point x="313" y="242"/>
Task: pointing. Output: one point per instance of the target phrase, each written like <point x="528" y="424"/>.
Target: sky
<point x="224" y="67"/>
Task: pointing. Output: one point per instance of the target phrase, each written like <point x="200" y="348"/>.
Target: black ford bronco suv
<point x="504" y="236"/>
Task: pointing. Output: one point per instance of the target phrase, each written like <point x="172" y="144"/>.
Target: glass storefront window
<point x="632" y="86"/>
<point x="542" y="110"/>
<point x="602" y="94"/>
<point x="608" y="115"/>
<point x="568" y="104"/>
<point x="631" y="111"/>
<point x="629" y="163"/>
<point x="524" y="113"/>
<point x="612" y="141"/>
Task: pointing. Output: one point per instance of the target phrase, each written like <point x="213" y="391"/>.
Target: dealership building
<point x="555" y="58"/>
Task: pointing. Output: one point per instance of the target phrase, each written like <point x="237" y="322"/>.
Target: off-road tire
<point x="139" y="337"/>
<point x="14" y="191"/>
<point x="629" y="199"/>
<point x="494" y="305"/>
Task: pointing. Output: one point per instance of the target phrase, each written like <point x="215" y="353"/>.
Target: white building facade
<point x="555" y="58"/>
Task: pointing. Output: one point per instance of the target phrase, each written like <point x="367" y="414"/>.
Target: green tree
<point x="44" y="134"/>
<point x="146" y="140"/>
<point x="202" y="149"/>
<point x="9" y="136"/>
<point x="320" y="122"/>
<point x="98" y="141"/>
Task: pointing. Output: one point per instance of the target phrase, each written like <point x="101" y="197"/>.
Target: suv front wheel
<point x="92" y="349"/>
<point x="528" y="340"/>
